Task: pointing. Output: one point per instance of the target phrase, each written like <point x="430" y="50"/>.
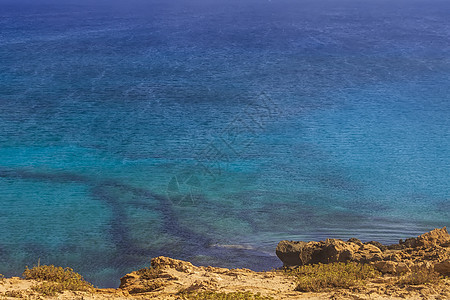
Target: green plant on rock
<point x="420" y="275"/>
<point x="48" y="288"/>
<point x="56" y="280"/>
<point x="208" y="295"/>
<point x="320" y="277"/>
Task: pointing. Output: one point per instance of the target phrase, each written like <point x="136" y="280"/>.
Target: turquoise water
<point x="211" y="131"/>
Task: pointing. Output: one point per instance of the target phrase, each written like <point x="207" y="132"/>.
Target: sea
<point x="209" y="130"/>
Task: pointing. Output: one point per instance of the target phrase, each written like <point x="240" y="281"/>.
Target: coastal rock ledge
<point x="430" y="250"/>
<point x="169" y="279"/>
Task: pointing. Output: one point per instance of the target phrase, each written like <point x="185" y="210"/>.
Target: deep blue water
<point x="210" y="130"/>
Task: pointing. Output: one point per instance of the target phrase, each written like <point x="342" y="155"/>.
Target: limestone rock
<point x="443" y="267"/>
<point x="402" y="267"/>
<point x="129" y="280"/>
<point x="436" y="237"/>
<point x="377" y="244"/>
<point x="329" y="251"/>
<point x="392" y="267"/>
<point x="334" y="251"/>
<point x="429" y="249"/>
<point x="289" y="252"/>
<point x="393" y="257"/>
<point x="162" y="262"/>
<point x="355" y="241"/>
<point x="386" y="266"/>
<point x="367" y="253"/>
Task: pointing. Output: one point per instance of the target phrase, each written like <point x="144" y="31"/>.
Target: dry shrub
<point x="48" y="288"/>
<point x="420" y="275"/>
<point x="208" y="295"/>
<point x="320" y="277"/>
<point x="56" y="280"/>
